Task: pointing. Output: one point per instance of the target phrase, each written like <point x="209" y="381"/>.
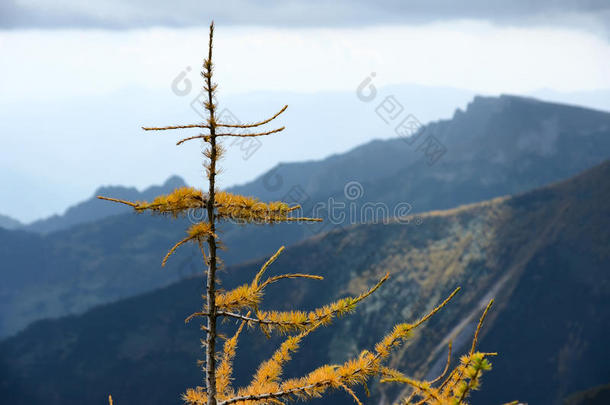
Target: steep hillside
<point x="599" y="395"/>
<point x="544" y="255"/>
<point x="497" y="146"/>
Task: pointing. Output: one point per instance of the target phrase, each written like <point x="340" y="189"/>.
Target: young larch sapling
<point x="244" y="302"/>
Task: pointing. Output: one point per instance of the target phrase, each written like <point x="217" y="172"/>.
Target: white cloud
<point x="475" y="56"/>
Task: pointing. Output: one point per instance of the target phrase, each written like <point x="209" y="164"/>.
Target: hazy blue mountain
<point x="497" y="146"/>
<point x="544" y="255"/>
<point x="94" y="209"/>
<point x="318" y="125"/>
<point x="129" y="156"/>
<point x="7" y="222"/>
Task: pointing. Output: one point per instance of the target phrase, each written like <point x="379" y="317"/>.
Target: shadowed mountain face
<point x="599" y="395"/>
<point x="543" y="255"/>
<point x="497" y="146"/>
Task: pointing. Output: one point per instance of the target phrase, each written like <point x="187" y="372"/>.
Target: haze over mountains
<point x="9" y="223"/>
<point x="342" y="122"/>
<point x="498" y="146"/>
<point x="402" y="155"/>
<point x="543" y="255"/>
<point x="149" y="158"/>
<point x="93" y="209"/>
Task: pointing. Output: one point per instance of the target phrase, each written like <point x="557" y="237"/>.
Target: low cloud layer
<point x="117" y="14"/>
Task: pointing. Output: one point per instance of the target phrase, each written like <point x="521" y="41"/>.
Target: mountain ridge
<point x="498" y="146"/>
<point x="7" y="222"/>
<point x="92" y="209"/>
<point x="546" y="236"/>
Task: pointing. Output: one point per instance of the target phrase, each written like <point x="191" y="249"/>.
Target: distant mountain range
<point x="9" y="223"/>
<point x="498" y="145"/>
<point x="495" y="131"/>
<point x="544" y="255"/>
<point x="93" y="209"/>
<point x="96" y="254"/>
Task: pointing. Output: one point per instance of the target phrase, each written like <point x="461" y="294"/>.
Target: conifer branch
<point x="273" y="279"/>
<point x="268" y="395"/>
<point x="266" y="265"/>
<point x="447" y="365"/>
<point x="176" y="127"/>
<point x="245" y="135"/>
<point x="459" y="374"/>
<point x="456" y="387"/>
<point x="175" y="203"/>
<point x="256" y="124"/>
<point x="438" y="308"/>
<point x="351" y="393"/>
<point x="131" y="204"/>
<point x="225" y="369"/>
<point x="195" y="232"/>
<point x="218" y="125"/>
<point x="479" y="325"/>
<point x="250" y="296"/>
<point x="350" y="373"/>
<point x="227" y="206"/>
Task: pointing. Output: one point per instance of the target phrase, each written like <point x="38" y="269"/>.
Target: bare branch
<point x="254" y="134"/>
<point x="256" y="124"/>
<point x="438" y="308"/>
<point x="261" y="321"/>
<point x="291" y="275"/>
<point x="117" y="200"/>
<point x="481" y="320"/>
<point x="270" y="395"/>
<point x="447" y="364"/>
<point x="246" y="318"/>
<point x="207" y="137"/>
<point x="176" y="127"/>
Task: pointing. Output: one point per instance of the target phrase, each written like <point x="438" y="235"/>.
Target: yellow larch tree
<point x="243" y="303"/>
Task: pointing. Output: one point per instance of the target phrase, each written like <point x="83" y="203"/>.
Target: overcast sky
<point x="79" y="78"/>
<point x="121" y="14"/>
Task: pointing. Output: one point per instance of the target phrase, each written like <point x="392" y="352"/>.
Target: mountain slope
<point x="599" y="395"/>
<point x="497" y="146"/>
<point x="543" y="255"/>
